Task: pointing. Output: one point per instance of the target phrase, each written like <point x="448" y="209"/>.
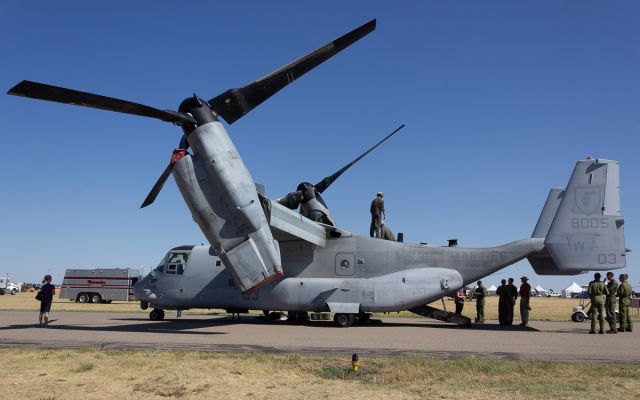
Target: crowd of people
<point x="604" y="297"/>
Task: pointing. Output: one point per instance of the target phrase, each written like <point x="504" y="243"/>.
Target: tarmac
<point x="543" y="341"/>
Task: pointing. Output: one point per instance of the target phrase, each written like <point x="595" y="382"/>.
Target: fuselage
<point x="359" y="273"/>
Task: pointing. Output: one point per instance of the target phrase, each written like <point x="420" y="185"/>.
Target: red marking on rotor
<point x="177" y="155"/>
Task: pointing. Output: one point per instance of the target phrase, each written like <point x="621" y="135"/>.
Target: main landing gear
<point x="156" y="314"/>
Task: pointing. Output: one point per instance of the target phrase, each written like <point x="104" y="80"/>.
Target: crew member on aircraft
<point x="377" y="215"/>
<point x="386" y="233"/>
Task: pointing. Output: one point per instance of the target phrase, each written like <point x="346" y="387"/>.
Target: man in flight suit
<point x="386" y="233"/>
<point x="377" y="215"/>
<point x="624" y="300"/>
<point x="612" y="287"/>
<point x="480" y="293"/>
<point x="597" y="292"/>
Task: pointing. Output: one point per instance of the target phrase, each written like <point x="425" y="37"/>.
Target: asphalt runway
<point x="548" y="341"/>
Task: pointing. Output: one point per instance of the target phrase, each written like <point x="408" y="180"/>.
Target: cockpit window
<point x="174" y="263"/>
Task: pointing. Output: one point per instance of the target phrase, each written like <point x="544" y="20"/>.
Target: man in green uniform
<point x="377" y="215"/>
<point x="480" y="293"/>
<point x="505" y="305"/>
<point x="624" y="299"/>
<point x="386" y="233"/>
<point x="597" y="292"/>
<point x="612" y="287"/>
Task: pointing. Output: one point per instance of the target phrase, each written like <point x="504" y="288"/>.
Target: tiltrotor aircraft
<point x="265" y="255"/>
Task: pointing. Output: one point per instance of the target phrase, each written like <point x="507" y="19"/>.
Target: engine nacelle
<point x="223" y="201"/>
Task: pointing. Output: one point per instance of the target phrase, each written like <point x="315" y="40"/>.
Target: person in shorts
<point x="45" y="295"/>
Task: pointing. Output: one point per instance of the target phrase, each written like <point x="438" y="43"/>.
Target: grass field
<point x="544" y="308"/>
<point x="97" y="374"/>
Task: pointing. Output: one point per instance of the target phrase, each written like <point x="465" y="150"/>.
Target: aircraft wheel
<point x="364" y="317"/>
<point x="83" y="298"/>
<point x="156" y="314"/>
<point x="96" y="298"/>
<point x="579" y="317"/>
<point x="343" y="320"/>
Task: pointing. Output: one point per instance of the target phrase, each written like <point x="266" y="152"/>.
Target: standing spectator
<point x="45" y="295"/>
<point x="610" y="305"/>
<point x="624" y="300"/>
<point x="513" y="291"/>
<point x="504" y="303"/>
<point x="481" y="293"/>
<point x="459" y="300"/>
<point x="525" y="296"/>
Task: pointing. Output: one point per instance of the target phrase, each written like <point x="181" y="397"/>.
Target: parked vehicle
<point x="8" y="287"/>
<point x="101" y="285"/>
<point x="552" y="293"/>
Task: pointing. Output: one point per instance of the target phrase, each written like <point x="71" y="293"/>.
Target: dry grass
<point x="544" y="308"/>
<point x="96" y="374"/>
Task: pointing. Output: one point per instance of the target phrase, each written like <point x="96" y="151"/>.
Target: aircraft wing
<point x="288" y="224"/>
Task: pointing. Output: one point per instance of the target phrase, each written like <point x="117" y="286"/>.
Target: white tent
<point x="540" y="291"/>
<point x="492" y="290"/>
<point x="574" y="288"/>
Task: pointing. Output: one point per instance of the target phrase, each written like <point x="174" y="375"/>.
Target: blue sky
<point x="500" y="99"/>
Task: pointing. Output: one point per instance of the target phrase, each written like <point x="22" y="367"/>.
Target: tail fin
<point x="587" y="231"/>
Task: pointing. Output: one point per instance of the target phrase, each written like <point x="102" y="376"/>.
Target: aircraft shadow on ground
<point x="167" y="326"/>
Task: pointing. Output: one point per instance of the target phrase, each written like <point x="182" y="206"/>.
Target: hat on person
<point x="524" y="278"/>
<point x="380" y="194"/>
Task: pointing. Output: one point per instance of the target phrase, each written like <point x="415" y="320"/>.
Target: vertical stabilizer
<point x="548" y="213"/>
<point x="587" y="232"/>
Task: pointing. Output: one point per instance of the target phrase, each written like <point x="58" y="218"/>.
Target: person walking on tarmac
<point x="386" y="233"/>
<point x="513" y="291"/>
<point x="597" y="292"/>
<point x="45" y="295"/>
<point x="480" y="293"/>
<point x="624" y="300"/>
<point x="610" y="307"/>
<point x="377" y="215"/>
<point x="504" y="303"/>
<point x="525" y="296"/>
<point x="459" y="300"/>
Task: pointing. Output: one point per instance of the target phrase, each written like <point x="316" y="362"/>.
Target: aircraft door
<point x="345" y="264"/>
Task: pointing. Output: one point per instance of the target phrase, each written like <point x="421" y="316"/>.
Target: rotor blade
<point x="235" y="103"/>
<point x="326" y="182"/>
<point x="151" y="197"/>
<point x="58" y="94"/>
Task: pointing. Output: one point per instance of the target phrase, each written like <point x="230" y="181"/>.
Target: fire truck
<point x="101" y="285"/>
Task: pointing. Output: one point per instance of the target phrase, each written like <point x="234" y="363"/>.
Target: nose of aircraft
<point x="142" y="290"/>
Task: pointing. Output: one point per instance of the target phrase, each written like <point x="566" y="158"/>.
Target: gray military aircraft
<point x="265" y="255"/>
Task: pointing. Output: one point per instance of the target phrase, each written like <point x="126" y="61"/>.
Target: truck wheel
<point x="13" y="292"/>
<point x="579" y="317"/>
<point x="83" y="298"/>
<point x="156" y="314"/>
<point x="96" y="298"/>
<point x="343" y="320"/>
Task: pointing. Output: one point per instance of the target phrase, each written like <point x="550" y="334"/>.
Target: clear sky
<point x="500" y="99"/>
